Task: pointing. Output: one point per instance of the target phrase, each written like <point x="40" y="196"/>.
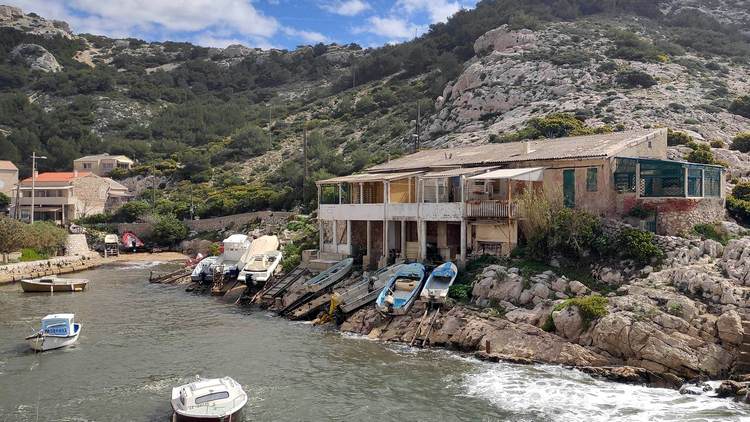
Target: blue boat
<point x="440" y="280"/>
<point x="401" y="290"/>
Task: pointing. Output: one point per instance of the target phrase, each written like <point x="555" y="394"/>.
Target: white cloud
<point x="346" y="7"/>
<point x="390" y="27"/>
<point x="438" y="10"/>
<point x="307" y="36"/>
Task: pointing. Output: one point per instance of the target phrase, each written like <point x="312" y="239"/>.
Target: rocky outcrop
<point x="35" y="57"/>
<point x="504" y="41"/>
<point x="13" y="17"/>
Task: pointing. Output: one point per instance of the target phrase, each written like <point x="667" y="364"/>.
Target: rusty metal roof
<point x="590" y="146"/>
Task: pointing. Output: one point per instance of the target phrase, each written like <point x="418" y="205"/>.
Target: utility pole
<point x="33" y="180"/>
<point x="270" y="140"/>
<point x="304" y="157"/>
<point x="192" y="207"/>
<point x="416" y="144"/>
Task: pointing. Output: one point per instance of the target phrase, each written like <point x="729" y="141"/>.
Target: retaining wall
<point x="59" y="265"/>
<point x="216" y="223"/>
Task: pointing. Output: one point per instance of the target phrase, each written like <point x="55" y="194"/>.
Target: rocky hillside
<point x="231" y="121"/>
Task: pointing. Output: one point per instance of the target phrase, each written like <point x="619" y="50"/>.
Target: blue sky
<point x="258" y="23"/>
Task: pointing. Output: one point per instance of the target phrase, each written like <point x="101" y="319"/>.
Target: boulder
<point x="10" y="13"/>
<point x="730" y="388"/>
<point x="569" y="323"/>
<point x="504" y="40"/>
<point x="35" y="57"/>
<point x="729" y="326"/>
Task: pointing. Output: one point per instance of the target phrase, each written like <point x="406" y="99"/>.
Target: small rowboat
<point x="53" y="284"/>
<point x="219" y="399"/>
<point x="440" y="280"/>
<point x="367" y="290"/>
<point x="401" y="290"/>
<point x="58" y="330"/>
<point x="329" y="277"/>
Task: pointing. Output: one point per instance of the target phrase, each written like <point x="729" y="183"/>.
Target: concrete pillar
<point x="385" y="238"/>
<point x="463" y="243"/>
<point x="637" y="179"/>
<point x="422" y="240"/>
<point x="369" y="243"/>
<point x="335" y="237"/>
<point x="340" y="201"/>
<point x="685" y="175"/>
<point x="320" y="234"/>
<point x="349" y="235"/>
<point x="361" y="193"/>
<point x="403" y="239"/>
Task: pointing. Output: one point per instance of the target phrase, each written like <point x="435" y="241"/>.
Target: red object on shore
<point x="130" y="241"/>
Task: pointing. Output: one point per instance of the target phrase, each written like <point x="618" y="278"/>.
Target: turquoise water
<point x="139" y="340"/>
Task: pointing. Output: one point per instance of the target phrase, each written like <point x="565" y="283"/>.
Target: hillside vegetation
<point x="224" y="129"/>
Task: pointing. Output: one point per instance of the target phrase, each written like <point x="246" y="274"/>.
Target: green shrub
<point x="701" y="156"/>
<point x="714" y="231"/>
<point x="741" y="106"/>
<point x="460" y="292"/>
<point x="742" y="191"/>
<point x="741" y="142"/>
<point x="631" y="78"/>
<point x="640" y="212"/>
<point x="45" y="237"/>
<point x="638" y="245"/>
<point x="718" y="143"/>
<point x="168" y="230"/>
<point x="31" y="254"/>
<point x="590" y="307"/>
<point x="739" y="209"/>
<point x="678" y="138"/>
<point x="549" y="324"/>
<point x="573" y="232"/>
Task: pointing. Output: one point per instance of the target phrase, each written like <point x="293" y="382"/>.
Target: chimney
<point x="75" y="173"/>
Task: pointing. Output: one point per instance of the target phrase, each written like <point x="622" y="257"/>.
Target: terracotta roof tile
<point x="62" y="176"/>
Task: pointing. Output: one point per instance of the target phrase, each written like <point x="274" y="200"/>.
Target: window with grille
<point x="695" y="182"/>
<point x="624" y="175"/>
<point x="662" y="179"/>
<point x="592" y="179"/>
<point x="713" y="181"/>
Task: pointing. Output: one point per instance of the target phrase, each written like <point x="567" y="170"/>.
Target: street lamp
<point x="34" y="157"/>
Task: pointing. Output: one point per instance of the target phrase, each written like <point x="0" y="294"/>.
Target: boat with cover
<point x="440" y="280"/>
<point x="234" y="248"/>
<point x="329" y="277"/>
<point x="52" y="284"/>
<point x="131" y="242"/>
<point x="261" y="261"/>
<point x="216" y="399"/>
<point x="202" y="271"/>
<point x="366" y="290"/>
<point x="58" y="330"/>
<point x="401" y="290"/>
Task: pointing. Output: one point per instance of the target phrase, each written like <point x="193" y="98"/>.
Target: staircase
<point x="742" y="366"/>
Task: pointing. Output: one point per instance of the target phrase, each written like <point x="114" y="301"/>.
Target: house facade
<point x="8" y="178"/>
<point x="61" y="197"/>
<point x="452" y="203"/>
<point x="102" y="164"/>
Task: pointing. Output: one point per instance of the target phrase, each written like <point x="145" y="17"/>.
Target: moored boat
<point x="58" y="330"/>
<point x="53" y="284"/>
<point x="217" y="399"/>
<point x="234" y="248"/>
<point x="202" y="271"/>
<point x="440" y="280"/>
<point x="367" y="290"/>
<point x="329" y="277"/>
<point x="401" y="290"/>
<point x="260" y="267"/>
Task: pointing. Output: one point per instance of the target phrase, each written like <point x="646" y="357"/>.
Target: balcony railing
<point x="491" y="208"/>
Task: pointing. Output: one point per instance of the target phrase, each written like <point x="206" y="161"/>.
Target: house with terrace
<point x="451" y="203"/>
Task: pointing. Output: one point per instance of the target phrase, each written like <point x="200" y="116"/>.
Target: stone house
<point x="65" y="196"/>
<point x="450" y="203"/>
<point x="8" y="178"/>
<point x="102" y="164"/>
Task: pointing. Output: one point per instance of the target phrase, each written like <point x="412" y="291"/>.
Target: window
<point x="624" y="175"/>
<point x="695" y="181"/>
<point x="87" y="166"/>
<point x="212" y="397"/>
<point x="662" y="179"/>
<point x="713" y="181"/>
<point x="592" y="179"/>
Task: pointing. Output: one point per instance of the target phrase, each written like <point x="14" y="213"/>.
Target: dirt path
<point x="147" y="256"/>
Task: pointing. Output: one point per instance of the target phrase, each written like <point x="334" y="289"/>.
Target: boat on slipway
<point x="53" y="284"/>
<point x="217" y="399"/>
<point x="439" y="282"/>
<point x="58" y="330"/>
<point x="234" y="248"/>
<point x="401" y="290"/>
<point x="365" y="291"/>
<point x="261" y="261"/>
<point x="202" y="271"/>
<point x="318" y="285"/>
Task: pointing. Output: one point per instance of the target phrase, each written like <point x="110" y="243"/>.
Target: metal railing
<point x="491" y="208"/>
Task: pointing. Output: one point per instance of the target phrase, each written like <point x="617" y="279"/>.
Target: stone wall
<point x="59" y="265"/>
<point x="268" y="219"/>
<point x="679" y="215"/>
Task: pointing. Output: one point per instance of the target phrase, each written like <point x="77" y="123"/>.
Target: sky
<point x="254" y="23"/>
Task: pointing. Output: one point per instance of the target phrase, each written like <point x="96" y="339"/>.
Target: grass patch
<point x="31" y="254"/>
<point x="591" y="307"/>
<point x="713" y="231"/>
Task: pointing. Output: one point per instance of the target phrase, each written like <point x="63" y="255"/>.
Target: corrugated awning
<point x="368" y="177"/>
<point x="533" y="174"/>
<point x="457" y="172"/>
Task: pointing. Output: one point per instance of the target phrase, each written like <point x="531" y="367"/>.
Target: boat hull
<point x="42" y="343"/>
<point x="31" y="286"/>
<point x="234" y="417"/>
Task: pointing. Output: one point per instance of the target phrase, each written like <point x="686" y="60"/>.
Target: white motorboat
<point x="202" y="271"/>
<point x="234" y="248"/>
<point x="260" y="267"/>
<point x="261" y="260"/>
<point x="58" y="330"/>
<point x="217" y="399"/>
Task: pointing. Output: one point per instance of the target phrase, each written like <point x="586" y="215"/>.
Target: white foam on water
<point x="136" y="265"/>
<point x="554" y="393"/>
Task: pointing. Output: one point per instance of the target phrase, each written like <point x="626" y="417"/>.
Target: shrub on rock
<point x="632" y="78"/>
<point x="741" y="142"/>
<point x="741" y="106"/>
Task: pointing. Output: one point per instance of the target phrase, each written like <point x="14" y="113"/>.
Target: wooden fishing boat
<point x="58" y="330"/>
<point x="367" y="290"/>
<point x="53" y="284"/>
<point x="218" y="399"/>
<point x="329" y="277"/>
<point x="440" y="280"/>
<point x="401" y="290"/>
